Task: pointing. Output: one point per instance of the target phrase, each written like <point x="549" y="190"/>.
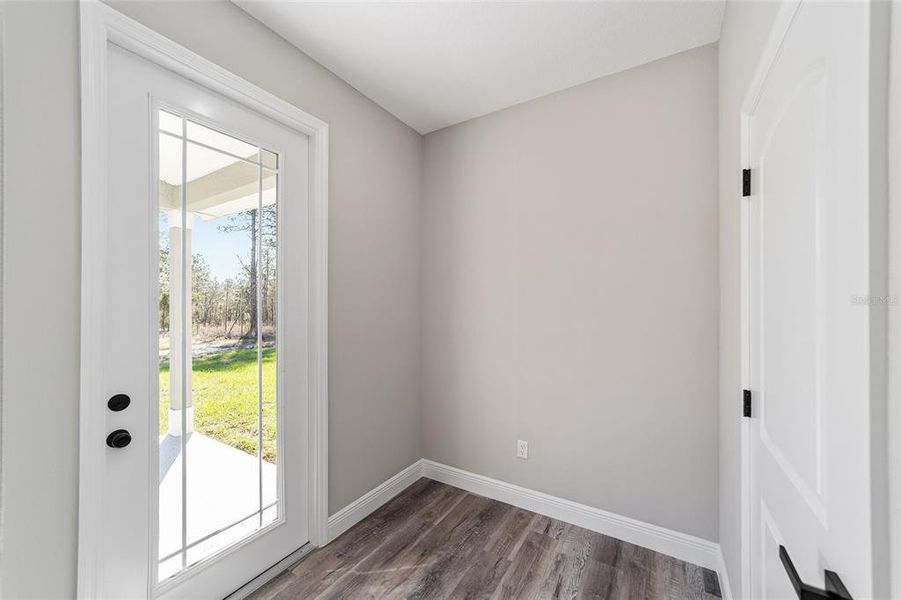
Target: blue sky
<point x="220" y="249"/>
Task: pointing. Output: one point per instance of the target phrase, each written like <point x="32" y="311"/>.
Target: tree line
<point x="229" y="308"/>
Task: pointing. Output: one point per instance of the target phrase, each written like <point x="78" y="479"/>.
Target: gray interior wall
<point x="40" y="301"/>
<point x="375" y="175"/>
<point x="570" y="293"/>
<point x="746" y="26"/>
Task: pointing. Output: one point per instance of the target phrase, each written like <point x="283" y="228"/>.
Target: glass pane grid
<point x="218" y="296"/>
<point x="172" y="126"/>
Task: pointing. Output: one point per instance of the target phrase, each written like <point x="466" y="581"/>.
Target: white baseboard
<point x="369" y="502"/>
<point x="725" y="588"/>
<point x="673" y="543"/>
<point x="679" y="545"/>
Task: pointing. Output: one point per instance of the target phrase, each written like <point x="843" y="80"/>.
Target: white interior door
<point x="206" y="332"/>
<point x="809" y="319"/>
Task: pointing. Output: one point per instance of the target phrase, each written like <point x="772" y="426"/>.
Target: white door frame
<point x="101" y="26"/>
<point x="769" y="52"/>
<point x="894" y="291"/>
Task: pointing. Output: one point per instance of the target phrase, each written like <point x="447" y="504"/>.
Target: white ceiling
<point x="434" y="64"/>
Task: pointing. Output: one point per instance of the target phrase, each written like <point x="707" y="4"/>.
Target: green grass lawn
<point x="224" y="392"/>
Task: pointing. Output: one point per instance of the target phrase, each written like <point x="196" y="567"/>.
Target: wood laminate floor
<point x="437" y="541"/>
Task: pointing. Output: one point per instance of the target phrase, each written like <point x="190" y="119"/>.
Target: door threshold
<point x="270" y="573"/>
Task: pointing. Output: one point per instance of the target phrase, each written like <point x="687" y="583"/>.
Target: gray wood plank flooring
<point x="435" y="541"/>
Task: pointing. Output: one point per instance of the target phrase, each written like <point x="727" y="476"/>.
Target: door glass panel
<point x="222" y="142"/>
<point x="218" y="385"/>
<point x="171" y="124"/>
<point x="269" y="305"/>
<point x="170" y="216"/>
<point x="269" y="159"/>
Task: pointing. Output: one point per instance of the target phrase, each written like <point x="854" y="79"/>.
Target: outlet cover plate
<point x="522" y="449"/>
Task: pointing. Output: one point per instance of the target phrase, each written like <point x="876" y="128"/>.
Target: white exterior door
<point x="205" y="475"/>
<point x="809" y="275"/>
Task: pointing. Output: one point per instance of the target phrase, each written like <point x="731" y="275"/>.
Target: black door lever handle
<point x="835" y="589"/>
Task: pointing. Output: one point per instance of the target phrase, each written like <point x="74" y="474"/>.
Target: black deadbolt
<point x="118" y="439"/>
<point x="118" y="402"/>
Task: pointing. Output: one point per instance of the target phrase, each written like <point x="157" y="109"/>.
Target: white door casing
<point x="127" y="71"/>
<point x="808" y="266"/>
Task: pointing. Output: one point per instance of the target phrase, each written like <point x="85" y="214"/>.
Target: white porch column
<point x="180" y="329"/>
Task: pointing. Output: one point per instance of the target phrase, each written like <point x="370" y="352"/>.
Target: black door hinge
<point x="745" y="183"/>
<point x="746" y="403"/>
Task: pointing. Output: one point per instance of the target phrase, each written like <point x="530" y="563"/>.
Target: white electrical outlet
<point x="522" y="449"/>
